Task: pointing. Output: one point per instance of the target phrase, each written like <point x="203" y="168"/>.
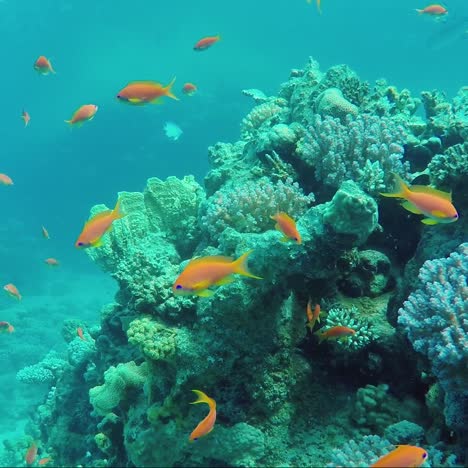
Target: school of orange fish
<point x="203" y="273"/>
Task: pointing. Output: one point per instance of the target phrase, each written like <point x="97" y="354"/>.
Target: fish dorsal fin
<point x="100" y="215"/>
<point x="211" y="259"/>
<point x="431" y="191"/>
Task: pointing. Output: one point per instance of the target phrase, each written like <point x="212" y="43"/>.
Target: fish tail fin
<point x="401" y="189"/>
<point x="117" y="211"/>
<point x="168" y="90"/>
<point x="202" y="398"/>
<point x="241" y="267"/>
<point x="69" y="122"/>
<point x="419" y="11"/>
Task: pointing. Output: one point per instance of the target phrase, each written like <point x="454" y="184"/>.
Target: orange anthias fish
<point x="206" y="42"/>
<point x="44" y="461"/>
<point x="421" y="199"/>
<point x="433" y="10"/>
<point x="139" y="93"/>
<point x="97" y="226"/>
<point x="26" y="117"/>
<point x="312" y="317"/>
<point x="189" y="89"/>
<point x="12" y="290"/>
<point x="45" y="233"/>
<point x="52" y="261"/>
<point x="205" y="426"/>
<point x="319" y="7"/>
<point x="5" y="180"/>
<point x="83" y="114"/>
<point x="404" y="456"/>
<point x="204" y="272"/>
<point x="31" y="453"/>
<point x="43" y="66"/>
<point x="287" y="225"/>
<point x="6" y="327"/>
<point x="79" y="332"/>
<point x="335" y="333"/>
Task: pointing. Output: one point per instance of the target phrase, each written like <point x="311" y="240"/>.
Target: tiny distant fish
<point x="207" y="424"/>
<point x="83" y="114"/>
<point x="6" y="327"/>
<point x="12" y="291"/>
<point x="189" y="89"/>
<point x="52" y="262"/>
<point x="319" y="7"/>
<point x="26" y="118"/>
<point x="433" y="10"/>
<point x="44" y="461"/>
<point x="172" y="131"/>
<point x="45" y="233"/>
<point x="206" y="42"/>
<point x="79" y="332"/>
<point x="5" y="180"/>
<point x="43" y="66"/>
<point x="31" y="454"/>
<point x="139" y="93"/>
<point x="402" y="456"/>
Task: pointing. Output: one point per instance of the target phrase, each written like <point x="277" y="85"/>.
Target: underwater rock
<point x="365" y="273"/>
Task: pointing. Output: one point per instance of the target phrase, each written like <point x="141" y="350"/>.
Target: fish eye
<point x="424" y="455"/>
<point x="80" y="244"/>
<point x="455" y="215"/>
<point x="179" y="286"/>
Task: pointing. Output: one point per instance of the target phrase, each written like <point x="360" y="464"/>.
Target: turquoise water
<point x="96" y="48"/>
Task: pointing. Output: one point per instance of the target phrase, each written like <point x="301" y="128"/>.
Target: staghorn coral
<point x="248" y="207"/>
<point x="350" y="317"/>
<point x="156" y="341"/>
<point x="117" y="381"/>
<point x="365" y="149"/>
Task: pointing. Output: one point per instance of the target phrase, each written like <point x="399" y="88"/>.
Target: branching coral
<point x="365" y="149"/>
<point x="350" y="318"/>
<point x="248" y="207"/>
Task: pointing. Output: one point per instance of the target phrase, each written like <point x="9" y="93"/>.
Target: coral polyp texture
<point x="320" y="151"/>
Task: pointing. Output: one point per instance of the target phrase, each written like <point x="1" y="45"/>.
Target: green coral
<point x="156" y="341"/>
<point x="117" y="381"/>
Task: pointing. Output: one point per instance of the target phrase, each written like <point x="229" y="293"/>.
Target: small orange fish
<point x="79" y="332"/>
<point x="335" y="333"/>
<point x="421" y="199"/>
<point x="43" y="66"/>
<point x="205" y="426"/>
<point x="52" y="262"/>
<point x="286" y="225"/>
<point x="5" y="180"/>
<point x="189" y="89"/>
<point x="139" y="93"/>
<point x="206" y="42"/>
<point x="12" y="290"/>
<point x="26" y="117"/>
<point x="83" y="114"/>
<point x="6" y="327"/>
<point x="312" y="317"/>
<point x="31" y="454"/>
<point x="404" y="456"/>
<point x="433" y="10"/>
<point x="204" y="272"/>
<point x="97" y="226"/>
<point x="44" y="461"/>
<point x="45" y="233"/>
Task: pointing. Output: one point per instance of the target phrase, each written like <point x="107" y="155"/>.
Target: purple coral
<point x="436" y="317"/>
<point x="366" y="149"/>
<point x="248" y="207"/>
